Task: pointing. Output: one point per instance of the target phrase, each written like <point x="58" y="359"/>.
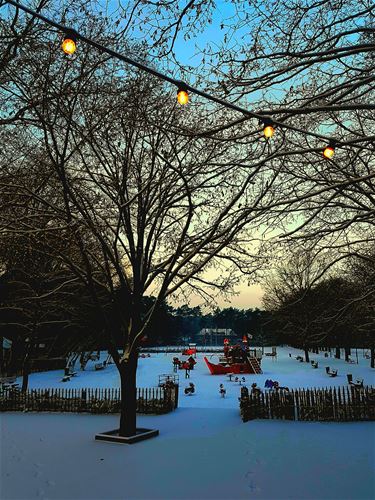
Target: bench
<point x="314" y="364"/>
<point x="99" y="366"/>
<point x="8" y="383"/>
<point x="331" y="373"/>
<point x="8" y="380"/>
<point x="357" y="384"/>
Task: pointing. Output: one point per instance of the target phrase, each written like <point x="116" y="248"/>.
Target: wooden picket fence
<point x="339" y="404"/>
<point x="155" y="400"/>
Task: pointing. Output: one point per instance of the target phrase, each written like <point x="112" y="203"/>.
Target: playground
<point x="284" y="368"/>
<point x="203" y="451"/>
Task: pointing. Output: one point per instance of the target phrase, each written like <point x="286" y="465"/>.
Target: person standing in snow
<point x="222" y="391"/>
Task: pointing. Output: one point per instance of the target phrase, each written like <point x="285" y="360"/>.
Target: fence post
<point x="83" y="398"/>
<point x="175" y="396"/>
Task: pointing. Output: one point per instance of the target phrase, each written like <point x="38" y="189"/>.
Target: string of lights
<point x="69" y="47"/>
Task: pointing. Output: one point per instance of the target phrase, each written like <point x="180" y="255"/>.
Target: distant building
<point x="215" y="336"/>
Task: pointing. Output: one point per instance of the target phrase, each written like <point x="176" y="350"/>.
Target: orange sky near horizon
<point x="249" y="297"/>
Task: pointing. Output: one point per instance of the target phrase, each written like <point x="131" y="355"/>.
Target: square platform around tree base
<point x="113" y="437"/>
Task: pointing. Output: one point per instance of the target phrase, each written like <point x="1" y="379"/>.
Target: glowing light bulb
<point x="328" y="152"/>
<point x="268" y="131"/>
<point x="69" y="45"/>
<point x="182" y="96"/>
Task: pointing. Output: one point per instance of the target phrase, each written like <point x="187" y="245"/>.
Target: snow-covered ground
<point x="203" y="451"/>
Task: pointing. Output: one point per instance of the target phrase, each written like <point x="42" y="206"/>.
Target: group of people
<point x="273" y="384"/>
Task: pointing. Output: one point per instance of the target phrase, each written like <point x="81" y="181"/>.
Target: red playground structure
<point x="236" y="359"/>
<point x="190" y="350"/>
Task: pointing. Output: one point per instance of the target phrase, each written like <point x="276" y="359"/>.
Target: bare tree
<point x="289" y="296"/>
<point x="143" y="207"/>
<point x="361" y="270"/>
<point x="153" y="199"/>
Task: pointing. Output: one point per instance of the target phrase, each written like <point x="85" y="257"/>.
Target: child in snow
<point x="222" y="391"/>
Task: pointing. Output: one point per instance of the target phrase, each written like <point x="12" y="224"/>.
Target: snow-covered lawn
<point x="203" y="451"/>
<point x="287" y="371"/>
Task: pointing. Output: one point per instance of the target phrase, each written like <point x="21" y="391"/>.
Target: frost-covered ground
<point x="203" y="451"/>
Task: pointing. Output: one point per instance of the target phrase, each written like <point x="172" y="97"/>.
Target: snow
<point x="204" y="451"/>
<point x="287" y="371"/>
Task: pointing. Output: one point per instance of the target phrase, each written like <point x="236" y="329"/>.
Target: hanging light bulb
<point x="182" y="95"/>
<point x="268" y="128"/>
<point x="329" y="151"/>
<point x="69" y="44"/>
<point x="268" y="131"/>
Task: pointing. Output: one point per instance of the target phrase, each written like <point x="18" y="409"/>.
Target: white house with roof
<point x="215" y="336"/>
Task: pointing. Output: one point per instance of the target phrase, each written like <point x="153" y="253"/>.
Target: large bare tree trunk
<point x="15" y="354"/>
<point x="337" y="355"/>
<point x="1" y="355"/>
<point x="372" y="357"/>
<point x="128" y="418"/>
<point x="347" y="353"/>
<point x="25" y="373"/>
<point x="307" y="359"/>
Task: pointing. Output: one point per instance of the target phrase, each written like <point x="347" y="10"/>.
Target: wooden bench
<point x="8" y="380"/>
<point x="314" y="364"/>
<point x="99" y="366"/>
<point x="8" y="383"/>
<point x="357" y="384"/>
<point x="331" y="373"/>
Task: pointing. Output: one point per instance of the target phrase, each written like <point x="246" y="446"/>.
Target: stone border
<point x="113" y="437"/>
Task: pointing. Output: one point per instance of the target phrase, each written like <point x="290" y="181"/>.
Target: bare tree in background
<point x="361" y="270"/>
<point x="289" y="296"/>
<point x="315" y="304"/>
